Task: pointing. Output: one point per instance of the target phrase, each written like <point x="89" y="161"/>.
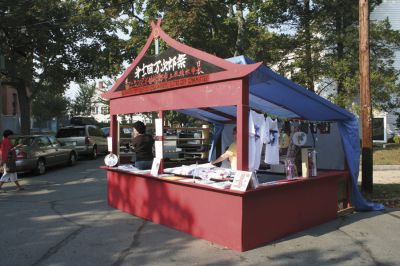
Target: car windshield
<point x="22" y="140"/>
<point x="70" y="132"/>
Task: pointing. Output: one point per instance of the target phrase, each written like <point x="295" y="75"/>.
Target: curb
<point x="386" y="167"/>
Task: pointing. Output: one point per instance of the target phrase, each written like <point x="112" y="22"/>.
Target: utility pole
<point x="365" y="98"/>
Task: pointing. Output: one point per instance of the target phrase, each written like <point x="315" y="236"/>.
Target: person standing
<point x="142" y="144"/>
<point x="8" y="158"/>
<point x="229" y="154"/>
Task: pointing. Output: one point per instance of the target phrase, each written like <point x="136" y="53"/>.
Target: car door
<point x="98" y="137"/>
<point x="102" y="140"/>
<point x="61" y="155"/>
<point x="46" y="150"/>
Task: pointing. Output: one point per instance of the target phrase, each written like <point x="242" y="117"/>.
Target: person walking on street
<point x="8" y="157"/>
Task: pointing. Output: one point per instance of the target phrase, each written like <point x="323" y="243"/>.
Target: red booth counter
<point x="210" y="88"/>
<point x="237" y="220"/>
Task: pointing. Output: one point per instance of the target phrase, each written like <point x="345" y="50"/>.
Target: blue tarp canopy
<point x="276" y="95"/>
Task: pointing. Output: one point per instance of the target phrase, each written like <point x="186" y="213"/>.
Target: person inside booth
<point x="229" y="154"/>
<point x="142" y="145"/>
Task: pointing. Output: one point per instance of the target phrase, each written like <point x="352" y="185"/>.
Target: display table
<point x="237" y="220"/>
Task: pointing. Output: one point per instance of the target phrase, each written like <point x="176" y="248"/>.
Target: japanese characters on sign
<point x="171" y="64"/>
<point x="157" y="72"/>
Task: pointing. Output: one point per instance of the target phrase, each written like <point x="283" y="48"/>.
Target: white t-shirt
<point x="272" y="144"/>
<point x="257" y="137"/>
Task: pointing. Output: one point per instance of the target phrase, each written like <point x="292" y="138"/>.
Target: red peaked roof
<point x="128" y="85"/>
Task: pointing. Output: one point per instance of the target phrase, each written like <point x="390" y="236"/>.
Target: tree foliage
<point x="47" y="105"/>
<point x="82" y="105"/>
<point x="315" y="43"/>
<point x="324" y="49"/>
<point x="54" y="42"/>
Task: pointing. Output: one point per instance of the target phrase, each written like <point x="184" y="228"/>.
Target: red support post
<point x="242" y="140"/>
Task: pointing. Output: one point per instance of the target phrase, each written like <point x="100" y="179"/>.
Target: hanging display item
<point x="324" y="127"/>
<point x="313" y="128"/>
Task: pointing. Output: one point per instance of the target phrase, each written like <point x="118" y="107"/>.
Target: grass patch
<point x="390" y="155"/>
<point x="388" y="194"/>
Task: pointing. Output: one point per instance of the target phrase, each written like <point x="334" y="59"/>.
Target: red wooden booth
<point x="183" y="78"/>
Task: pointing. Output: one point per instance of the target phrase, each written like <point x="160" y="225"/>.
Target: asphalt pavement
<point x="62" y="218"/>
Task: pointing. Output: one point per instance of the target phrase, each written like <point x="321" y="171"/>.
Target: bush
<point x="396" y="139"/>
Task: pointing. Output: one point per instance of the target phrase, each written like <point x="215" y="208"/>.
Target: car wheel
<point x="72" y="159"/>
<point x="94" y="153"/>
<point x="40" y="167"/>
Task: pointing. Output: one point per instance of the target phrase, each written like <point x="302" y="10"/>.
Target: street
<point x="62" y="218"/>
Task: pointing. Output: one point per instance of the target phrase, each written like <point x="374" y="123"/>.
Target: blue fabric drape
<point x="351" y="145"/>
<point x="216" y="134"/>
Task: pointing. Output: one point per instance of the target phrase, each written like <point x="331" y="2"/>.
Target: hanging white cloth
<point x="272" y="143"/>
<point x="257" y="137"/>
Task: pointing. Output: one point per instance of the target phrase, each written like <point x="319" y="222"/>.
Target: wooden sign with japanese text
<point x="167" y="70"/>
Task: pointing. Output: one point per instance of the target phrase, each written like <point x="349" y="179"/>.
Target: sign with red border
<point x="169" y="69"/>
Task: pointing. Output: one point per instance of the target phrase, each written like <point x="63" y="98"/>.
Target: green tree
<point x="54" y="42"/>
<point x="340" y="29"/>
<point x="323" y="43"/>
<point x="82" y="105"/>
<point x="202" y="24"/>
<point x="47" y="105"/>
<point x="303" y="44"/>
<point x="178" y="119"/>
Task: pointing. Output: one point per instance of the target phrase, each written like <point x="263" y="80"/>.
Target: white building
<point x="389" y="9"/>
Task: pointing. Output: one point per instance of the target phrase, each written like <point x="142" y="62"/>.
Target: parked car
<point x="41" y="151"/>
<point x="125" y="135"/>
<point x="88" y="140"/>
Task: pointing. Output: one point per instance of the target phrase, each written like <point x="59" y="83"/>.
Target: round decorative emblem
<point x="299" y="138"/>
<point x="111" y="159"/>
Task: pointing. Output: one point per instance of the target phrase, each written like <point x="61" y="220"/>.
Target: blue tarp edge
<point x="351" y="146"/>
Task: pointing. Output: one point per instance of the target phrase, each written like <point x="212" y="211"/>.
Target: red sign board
<point x="169" y="69"/>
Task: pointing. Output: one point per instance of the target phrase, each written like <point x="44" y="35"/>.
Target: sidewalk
<point x="386" y="167"/>
<point x="384" y="174"/>
<point x="386" y="177"/>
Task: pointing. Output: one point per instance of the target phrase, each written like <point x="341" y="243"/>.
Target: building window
<point x="14" y="104"/>
<point x="94" y="110"/>
<point x="104" y="110"/>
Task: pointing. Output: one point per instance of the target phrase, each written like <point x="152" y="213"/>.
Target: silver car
<point x="41" y="151"/>
<point x="88" y="140"/>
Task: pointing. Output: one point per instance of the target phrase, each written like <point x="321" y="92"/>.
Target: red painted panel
<point x="202" y="213"/>
<point x="217" y="94"/>
<point x="289" y="208"/>
<point x="240" y="221"/>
